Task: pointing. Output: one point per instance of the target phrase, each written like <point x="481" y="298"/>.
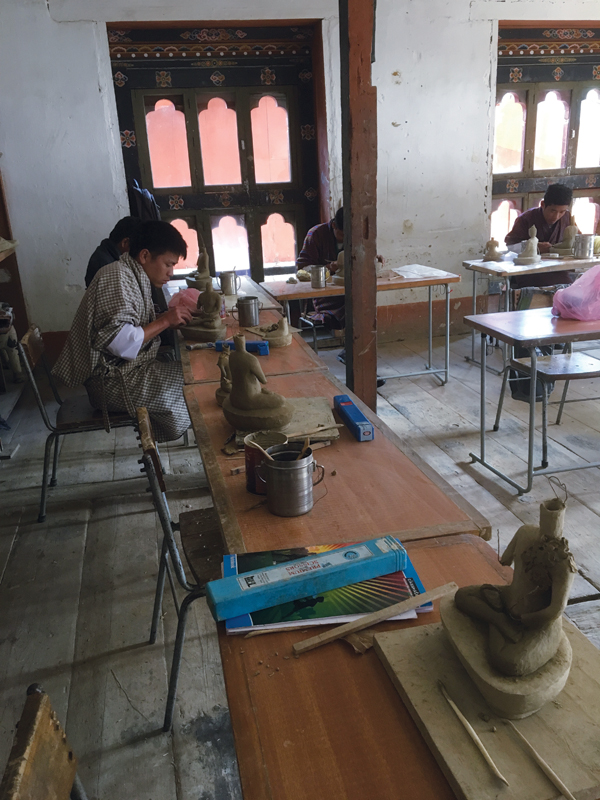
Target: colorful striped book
<point x="336" y="606"/>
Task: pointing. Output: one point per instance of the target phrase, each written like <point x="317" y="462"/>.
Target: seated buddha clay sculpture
<point x="206" y="324"/>
<point x="529" y="254"/>
<point x="338" y="277"/>
<point x="225" y="387"/>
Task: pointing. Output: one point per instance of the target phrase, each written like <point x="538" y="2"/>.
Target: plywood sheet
<point x="310" y="413"/>
<point x="565" y="732"/>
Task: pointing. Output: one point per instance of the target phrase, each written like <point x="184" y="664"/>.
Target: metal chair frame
<point x="58" y="429"/>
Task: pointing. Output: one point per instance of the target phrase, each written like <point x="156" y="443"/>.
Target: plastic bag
<point x="580" y="300"/>
<point x="185" y="297"/>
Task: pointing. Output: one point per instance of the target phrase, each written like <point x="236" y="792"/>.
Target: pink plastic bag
<point x="186" y="297"/>
<point x="581" y="300"/>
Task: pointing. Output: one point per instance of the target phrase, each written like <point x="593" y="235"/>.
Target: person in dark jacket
<point x="111" y="249"/>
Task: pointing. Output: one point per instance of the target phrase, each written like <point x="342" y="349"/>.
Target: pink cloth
<point x="186" y="297"/>
<point x="581" y="300"/>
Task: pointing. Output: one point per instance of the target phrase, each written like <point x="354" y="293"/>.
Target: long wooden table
<point x="330" y="724"/>
<point x="247" y="287"/>
<point x="200" y="366"/>
<point x="378" y="487"/>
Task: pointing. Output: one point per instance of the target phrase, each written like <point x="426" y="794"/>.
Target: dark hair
<point x="339" y="219"/>
<point x="158" y="237"/>
<point x="125" y="228"/>
<point x="557" y="194"/>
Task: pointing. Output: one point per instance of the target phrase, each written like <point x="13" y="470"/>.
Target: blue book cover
<point x="336" y="606"/>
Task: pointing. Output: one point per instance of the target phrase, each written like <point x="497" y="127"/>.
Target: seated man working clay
<point x="112" y="345"/>
<point x="111" y="249"/>
<point x="551" y="220"/>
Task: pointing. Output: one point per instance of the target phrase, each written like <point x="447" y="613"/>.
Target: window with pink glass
<point x="270" y="138"/>
<point x="219" y="143"/>
<point x="167" y="142"/>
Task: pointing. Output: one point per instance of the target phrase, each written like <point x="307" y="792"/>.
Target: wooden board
<point x="565" y="732"/>
<point x="329" y="724"/>
<point x="377" y="488"/>
<point x="200" y="366"/>
<point x="310" y="413"/>
<point x="535" y="326"/>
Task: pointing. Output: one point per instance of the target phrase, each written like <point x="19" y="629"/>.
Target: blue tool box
<point x="260" y="348"/>
<point x="353" y="418"/>
<point x="304" y="577"/>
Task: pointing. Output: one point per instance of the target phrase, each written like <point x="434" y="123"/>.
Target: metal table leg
<point x="430" y="338"/>
<point x="447" y="343"/>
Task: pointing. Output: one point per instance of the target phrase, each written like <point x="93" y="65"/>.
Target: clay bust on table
<point x="249" y="406"/>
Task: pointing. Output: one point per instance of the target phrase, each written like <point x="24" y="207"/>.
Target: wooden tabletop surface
<point x="378" y="487"/>
<point x="200" y="366"/>
<point x="503" y="269"/>
<point x="534" y="326"/>
<point x="414" y="279"/>
<point x="330" y="724"/>
<point x="247" y="287"/>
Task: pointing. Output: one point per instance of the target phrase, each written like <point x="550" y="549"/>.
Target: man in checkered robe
<point x="114" y="339"/>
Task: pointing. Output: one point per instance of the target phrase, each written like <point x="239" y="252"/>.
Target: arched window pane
<point x="586" y="212"/>
<point x="503" y="217"/>
<point x="219" y="144"/>
<point x="230" y="243"/>
<point x="191" y="239"/>
<point x="509" y="134"/>
<point x="271" y="142"/>
<point x="588" y="144"/>
<point x="552" y="127"/>
<point x="167" y="142"/>
<point x="278" y="246"/>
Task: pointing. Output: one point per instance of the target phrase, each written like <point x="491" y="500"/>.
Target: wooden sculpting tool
<point x="304" y="448"/>
<point x="376" y="616"/>
<point x="544" y="766"/>
<point x="262" y="450"/>
<point x="322" y="429"/>
<point x="471" y="731"/>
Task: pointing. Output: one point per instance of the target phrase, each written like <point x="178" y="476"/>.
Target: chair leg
<point x="49" y="443"/>
<point x="176" y="663"/>
<point x="55" y="461"/>
<point x="160" y="588"/>
<point x="544" y="424"/>
<point x="501" y="400"/>
<point x="562" y="402"/>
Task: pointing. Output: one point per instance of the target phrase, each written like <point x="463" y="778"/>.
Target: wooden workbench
<point x="378" y="488"/>
<point x="330" y="724"/>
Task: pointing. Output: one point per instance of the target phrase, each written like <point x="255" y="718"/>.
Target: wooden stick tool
<point x="472" y="733"/>
<point x="376" y="616"/>
<point x="543" y="765"/>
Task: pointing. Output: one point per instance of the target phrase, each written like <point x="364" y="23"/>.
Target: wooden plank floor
<point x="76" y="592"/>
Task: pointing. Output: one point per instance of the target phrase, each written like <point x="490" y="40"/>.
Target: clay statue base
<point x="200" y="334"/>
<point x="337" y="280"/>
<point x="525" y="261"/>
<point x="259" y="419"/>
<point x="200" y="283"/>
<point x="513" y="698"/>
<point x="220" y="396"/>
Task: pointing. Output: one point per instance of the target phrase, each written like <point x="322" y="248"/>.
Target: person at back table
<point x="551" y="219"/>
<point x="111" y="249"/>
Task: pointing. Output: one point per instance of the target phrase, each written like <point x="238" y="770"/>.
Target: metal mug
<point x="254" y="457"/>
<point x="230" y="282"/>
<point x="289" y="482"/>
<point x="317" y="277"/>
<point x="584" y="245"/>
<point x="248" y="309"/>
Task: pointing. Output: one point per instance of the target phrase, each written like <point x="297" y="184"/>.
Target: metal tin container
<point x="248" y="309"/>
<point x="584" y="245"/>
<point x="317" y="277"/>
<point x="289" y="482"/>
<point x="230" y="282"/>
<point x="254" y="457"/>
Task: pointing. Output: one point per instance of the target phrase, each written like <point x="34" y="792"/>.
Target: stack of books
<point x="336" y="606"/>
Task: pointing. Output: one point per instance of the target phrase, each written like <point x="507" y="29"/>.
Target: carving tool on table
<point x="471" y="731"/>
<point x="543" y="765"/>
<point x="304" y="448"/>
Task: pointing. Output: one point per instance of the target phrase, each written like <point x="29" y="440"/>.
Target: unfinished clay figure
<point x="338" y="278"/>
<point x="525" y="617"/>
<point x="206" y="324"/>
<point x="491" y="251"/>
<point x="223" y="364"/>
<point x="568" y="242"/>
<point x="529" y="254"/>
<point x="249" y="406"/>
<point x="201" y="278"/>
<point x="278" y="334"/>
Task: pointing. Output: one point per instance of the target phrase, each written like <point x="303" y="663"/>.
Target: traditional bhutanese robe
<point x="121" y="295"/>
<point x="320" y="247"/>
<point x="553" y="234"/>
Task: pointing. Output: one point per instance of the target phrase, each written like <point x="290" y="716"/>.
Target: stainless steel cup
<point x="317" y="277"/>
<point x="255" y="457"/>
<point x="230" y="282"/>
<point x="248" y="309"/>
<point x="289" y="482"/>
<point x="584" y="245"/>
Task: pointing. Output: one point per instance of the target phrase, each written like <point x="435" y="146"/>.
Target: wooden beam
<point x="359" y="162"/>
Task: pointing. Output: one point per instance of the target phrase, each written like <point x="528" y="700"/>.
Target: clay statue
<point x="201" y="278"/>
<point x="338" y="278"/>
<point x="529" y="254"/>
<point x="223" y="364"/>
<point x="566" y="246"/>
<point x="278" y="334"/>
<point x="250" y="407"/>
<point x="206" y="324"/>
<point x="491" y="251"/>
<point x="510" y="638"/>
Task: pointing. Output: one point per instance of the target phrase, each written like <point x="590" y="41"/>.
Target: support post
<point x="359" y="162"/>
